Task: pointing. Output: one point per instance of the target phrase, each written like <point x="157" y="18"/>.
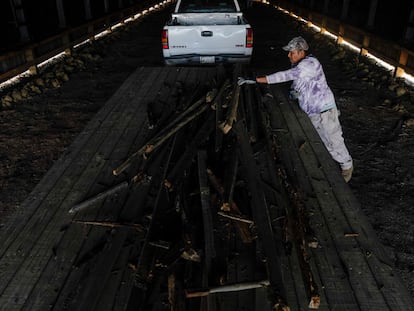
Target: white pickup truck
<point x="207" y="32"/>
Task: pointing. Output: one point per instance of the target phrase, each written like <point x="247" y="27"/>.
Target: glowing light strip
<point x="15" y="79"/>
<point x="53" y="59"/>
<point x="378" y="61"/>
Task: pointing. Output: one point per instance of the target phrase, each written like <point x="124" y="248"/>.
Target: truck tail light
<point x="164" y="39"/>
<point x="249" y="38"/>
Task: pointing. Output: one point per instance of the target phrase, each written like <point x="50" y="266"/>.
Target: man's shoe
<point x="347" y="174"/>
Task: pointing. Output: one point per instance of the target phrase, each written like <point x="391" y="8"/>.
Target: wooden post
<point x="88" y="10"/>
<point x="345" y="9"/>
<point x="409" y="31"/>
<point x="20" y="20"/>
<point x="30" y="58"/>
<point x="341" y="33"/>
<point x="365" y="45"/>
<point x="106" y="6"/>
<point x="372" y="12"/>
<point x="61" y="13"/>
<point x="399" y="70"/>
<point x="326" y="7"/>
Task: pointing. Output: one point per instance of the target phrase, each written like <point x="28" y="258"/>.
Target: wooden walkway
<point x="352" y="270"/>
<point x="50" y="261"/>
<point x="44" y="256"/>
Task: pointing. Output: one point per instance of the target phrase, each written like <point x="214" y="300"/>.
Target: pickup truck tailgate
<point x="206" y="40"/>
<point x="207" y="35"/>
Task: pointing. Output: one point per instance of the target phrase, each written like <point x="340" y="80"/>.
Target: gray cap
<point x="297" y="43"/>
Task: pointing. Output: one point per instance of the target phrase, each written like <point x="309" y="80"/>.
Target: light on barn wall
<point x="54" y="59"/>
<point x="401" y="74"/>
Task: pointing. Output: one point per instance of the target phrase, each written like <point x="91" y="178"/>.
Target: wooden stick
<point x="228" y="288"/>
<point x="351" y="235"/>
<point x="227" y="125"/>
<point x="171" y="291"/>
<point x="137" y="227"/>
<point x="236" y="218"/>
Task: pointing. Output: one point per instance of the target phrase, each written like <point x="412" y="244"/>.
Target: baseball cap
<point x="297" y="43"/>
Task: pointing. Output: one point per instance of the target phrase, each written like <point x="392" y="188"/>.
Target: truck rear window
<point x="207" y="6"/>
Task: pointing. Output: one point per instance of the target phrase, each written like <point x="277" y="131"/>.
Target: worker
<point x="315" y="98"/>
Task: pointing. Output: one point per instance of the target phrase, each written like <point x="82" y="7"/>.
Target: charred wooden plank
<point x="210" y="251"/>
<point x="261" y="213"/>
<point x="185" y="161"/>
<point x="251" y="115"/>
<point x="146" y="260"/>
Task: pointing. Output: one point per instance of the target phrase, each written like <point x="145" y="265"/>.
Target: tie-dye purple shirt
<point x="309" y="82"/>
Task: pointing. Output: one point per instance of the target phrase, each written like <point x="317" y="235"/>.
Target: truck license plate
<point x="207" y="59"/>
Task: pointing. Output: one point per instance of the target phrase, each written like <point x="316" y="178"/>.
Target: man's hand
<point x="241" y="81"/>
<point x="293" y="94"/>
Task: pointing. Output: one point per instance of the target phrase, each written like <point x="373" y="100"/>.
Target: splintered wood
<point x="179" y="215"/>
<point x="209" y="194"/>
<point x="203" y="195"/>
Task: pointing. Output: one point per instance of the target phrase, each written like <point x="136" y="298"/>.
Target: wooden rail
<point x="29" y="57"/>
<point x="401" y="58"/>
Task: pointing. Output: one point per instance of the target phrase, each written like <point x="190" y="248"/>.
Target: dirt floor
<point x="41" y="117"/>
